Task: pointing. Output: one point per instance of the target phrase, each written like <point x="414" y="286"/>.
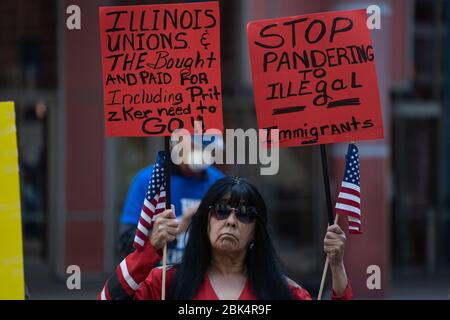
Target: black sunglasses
<point x="244" y="213"/>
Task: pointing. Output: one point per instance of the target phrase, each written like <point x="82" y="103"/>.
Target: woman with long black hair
<point x="228" y="255"/>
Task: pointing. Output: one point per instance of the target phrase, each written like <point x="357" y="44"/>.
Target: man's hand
<point x="165" y="229"/>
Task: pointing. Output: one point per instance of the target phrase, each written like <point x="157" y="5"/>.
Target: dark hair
<point x="263" y="266"/>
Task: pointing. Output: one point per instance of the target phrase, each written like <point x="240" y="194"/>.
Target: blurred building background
<point x="74" y="179"/>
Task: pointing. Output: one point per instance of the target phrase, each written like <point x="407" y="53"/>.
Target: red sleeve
<point x="130" y="273"/>
<point x="150" y="289"/>
<point x="348" y="293"/>
<point x="298" y="293"/>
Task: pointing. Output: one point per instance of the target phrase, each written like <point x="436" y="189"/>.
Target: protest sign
<point x="314" y="78"/>
<point x="161" y="68"/>
<point x="11" y="259"/>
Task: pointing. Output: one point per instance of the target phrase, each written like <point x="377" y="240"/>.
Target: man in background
<point x="189" y="182"/>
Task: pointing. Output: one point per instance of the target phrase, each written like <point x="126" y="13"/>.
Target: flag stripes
<point x="154" y="202"/>
<point x="349" y="200"/>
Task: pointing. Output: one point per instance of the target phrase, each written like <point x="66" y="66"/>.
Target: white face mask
<point x="198" y="167"/>
<point x="196" y="162"/>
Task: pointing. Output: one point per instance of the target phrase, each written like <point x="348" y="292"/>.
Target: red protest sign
<point x="161" y="68"/>
<point x="314" y="78"/>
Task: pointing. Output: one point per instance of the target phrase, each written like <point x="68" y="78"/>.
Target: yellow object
<point x="11" y="258"/>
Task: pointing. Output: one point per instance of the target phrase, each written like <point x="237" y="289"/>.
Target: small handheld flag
<point x="154" y="202"/>
<point x="349" y="201"/>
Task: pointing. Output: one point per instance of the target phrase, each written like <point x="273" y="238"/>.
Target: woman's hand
<point x="334" y="245"/>
<point x="165" y="229"/>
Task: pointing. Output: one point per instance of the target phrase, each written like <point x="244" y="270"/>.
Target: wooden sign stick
<point x="330" y="215"/>
<point x="168" y="206"/>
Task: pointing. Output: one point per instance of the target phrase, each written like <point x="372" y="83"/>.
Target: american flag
<point x="154" y="202"/>
<point x="349" y="201"/>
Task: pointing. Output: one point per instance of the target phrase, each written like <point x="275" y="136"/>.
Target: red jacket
<point x="137" y="277"/>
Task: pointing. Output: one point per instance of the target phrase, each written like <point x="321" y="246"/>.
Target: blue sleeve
<point x="135" y="198"/>
<point x="214" y="174"/>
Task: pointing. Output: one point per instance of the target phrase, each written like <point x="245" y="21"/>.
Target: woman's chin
<point x="226" y="245"/>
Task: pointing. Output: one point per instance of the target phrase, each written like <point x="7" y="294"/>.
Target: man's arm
<point x="131" y="212"/>
<point x="126" y="238"/>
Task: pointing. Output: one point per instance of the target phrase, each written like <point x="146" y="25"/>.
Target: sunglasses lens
<point x="221" y="211"/>
<point x="245" y="214"/>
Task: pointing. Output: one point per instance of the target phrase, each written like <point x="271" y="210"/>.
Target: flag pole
<point x="330" y="212"/>
<point x="326" y="181"/>
<point x="167" y="166"/>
